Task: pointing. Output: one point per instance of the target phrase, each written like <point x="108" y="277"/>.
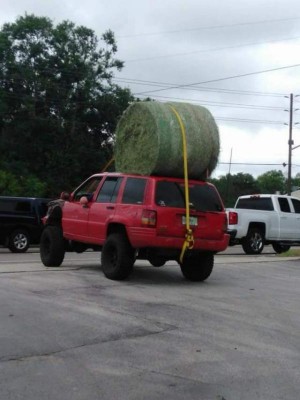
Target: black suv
<point x="20" y="221"/>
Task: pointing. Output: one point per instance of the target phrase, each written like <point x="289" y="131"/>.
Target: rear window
<point x="202" y="197"/>
<point x="256" y="203"/>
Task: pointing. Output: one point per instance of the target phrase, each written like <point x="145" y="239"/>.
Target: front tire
<point x="254" y="242"/>
<point x="117" y="257"/>
<point x="52" y="248"/>
<point x="19" y="241"/>
<point x="198" y="267"/>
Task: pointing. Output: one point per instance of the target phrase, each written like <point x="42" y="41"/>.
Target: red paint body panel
<point x="131" y="202"/>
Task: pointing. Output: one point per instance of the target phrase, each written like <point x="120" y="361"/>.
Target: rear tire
<point x="280" y="248"/>
<point x="117" y="257"/>
<point x="52" y="247"/>
<point x="254" y="242"/>
<point x="19" y="241"/>
<point x="198" y="267"/>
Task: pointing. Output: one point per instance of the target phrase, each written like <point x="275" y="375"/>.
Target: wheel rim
<point x="256" y="242"/>
<point x="20" y="241"/>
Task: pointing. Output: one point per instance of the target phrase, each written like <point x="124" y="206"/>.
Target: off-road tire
<point x="117" y="257"/>
<point x="52" y="248"/>
<point x="19" y="241"/>
<point x="197" y="267"/>
<point x="254" y="242"/>
<point x="280" y="248"/>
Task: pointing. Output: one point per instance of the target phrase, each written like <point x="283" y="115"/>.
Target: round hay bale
<point x="149" y="140"/>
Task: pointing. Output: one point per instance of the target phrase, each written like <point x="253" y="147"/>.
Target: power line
<point x="211" y="50"/>
<point x="223" y="104"/>
<point x="201" y="88"/>
<point x="247" y="163"/>
<point x="220" y="79"/>
<point x="246" y="120"/>
<point x="207" y="27"/>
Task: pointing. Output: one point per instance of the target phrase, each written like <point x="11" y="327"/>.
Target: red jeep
<point x="131" y="217"/>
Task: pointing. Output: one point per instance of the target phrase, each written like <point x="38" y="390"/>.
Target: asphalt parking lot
<point x="70" y="333"/>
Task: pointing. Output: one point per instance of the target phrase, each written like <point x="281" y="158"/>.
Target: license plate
<point x="193" y="220"/>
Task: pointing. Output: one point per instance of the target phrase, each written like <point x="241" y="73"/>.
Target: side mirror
<point x="84" y="201"/>
<point x="64" y="196"/>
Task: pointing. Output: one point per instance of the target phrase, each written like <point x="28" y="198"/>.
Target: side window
<point x="87" y="188"/>
<point x="109" y="190"/>
<point x="134" y="191"/>
<point x="296" y="204"/>
<point x="23" y="206"/>
<point x="7" y="205"/>
<point x="284" y="204"/>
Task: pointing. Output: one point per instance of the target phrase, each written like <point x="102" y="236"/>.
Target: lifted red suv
<point x="131" y="217"/>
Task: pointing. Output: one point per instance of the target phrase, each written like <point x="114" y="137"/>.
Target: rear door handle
<point x="110" y="208"/>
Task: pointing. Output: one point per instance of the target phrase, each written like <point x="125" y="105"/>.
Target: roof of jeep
<point x="154" y="177"/>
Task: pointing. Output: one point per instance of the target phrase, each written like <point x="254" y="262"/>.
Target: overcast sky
<point x="238" y="58"/>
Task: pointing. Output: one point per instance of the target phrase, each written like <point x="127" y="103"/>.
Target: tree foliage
<point x="58" y="105"/>
<point x="11" y="185"/>
<point x="272" y="182"/>
<point x="231" y="187"/>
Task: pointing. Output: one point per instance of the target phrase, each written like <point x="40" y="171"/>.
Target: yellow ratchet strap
<point x="189" y="238"/>
<point x="108" y="164"/>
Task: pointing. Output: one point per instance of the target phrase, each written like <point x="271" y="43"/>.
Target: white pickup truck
<point x="262" y="219"/>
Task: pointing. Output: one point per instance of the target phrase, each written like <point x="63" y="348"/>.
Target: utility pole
<point x="290" y="143"/>
<point x="228" y="179"/>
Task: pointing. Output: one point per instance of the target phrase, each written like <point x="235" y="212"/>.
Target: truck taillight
<point x="149" y="218"/>
<point x="232" y="218"/>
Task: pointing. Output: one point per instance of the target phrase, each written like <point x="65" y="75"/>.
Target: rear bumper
<point x="149" y="239"/>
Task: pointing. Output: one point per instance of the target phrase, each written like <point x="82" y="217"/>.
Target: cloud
<point x="261" y="151"/>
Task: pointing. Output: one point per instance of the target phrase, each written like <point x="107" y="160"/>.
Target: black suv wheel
<point x="117" y="257"/>
<point x="52" y="248"/>
<point x="18" y="241"/>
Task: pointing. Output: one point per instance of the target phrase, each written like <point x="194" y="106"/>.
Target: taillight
<point x="225" y="224"/>
<point x="149" y="218"/>
<point x="233" y="218"/>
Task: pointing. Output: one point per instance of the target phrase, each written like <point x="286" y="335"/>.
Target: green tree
<point x="231" y="187"/>
<point x="8" y="184"/>
<point x="58" y="105"/>
<point x="296" y="182"/>
<point x="272" y="182"/>
<point x="11" y="185"/>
